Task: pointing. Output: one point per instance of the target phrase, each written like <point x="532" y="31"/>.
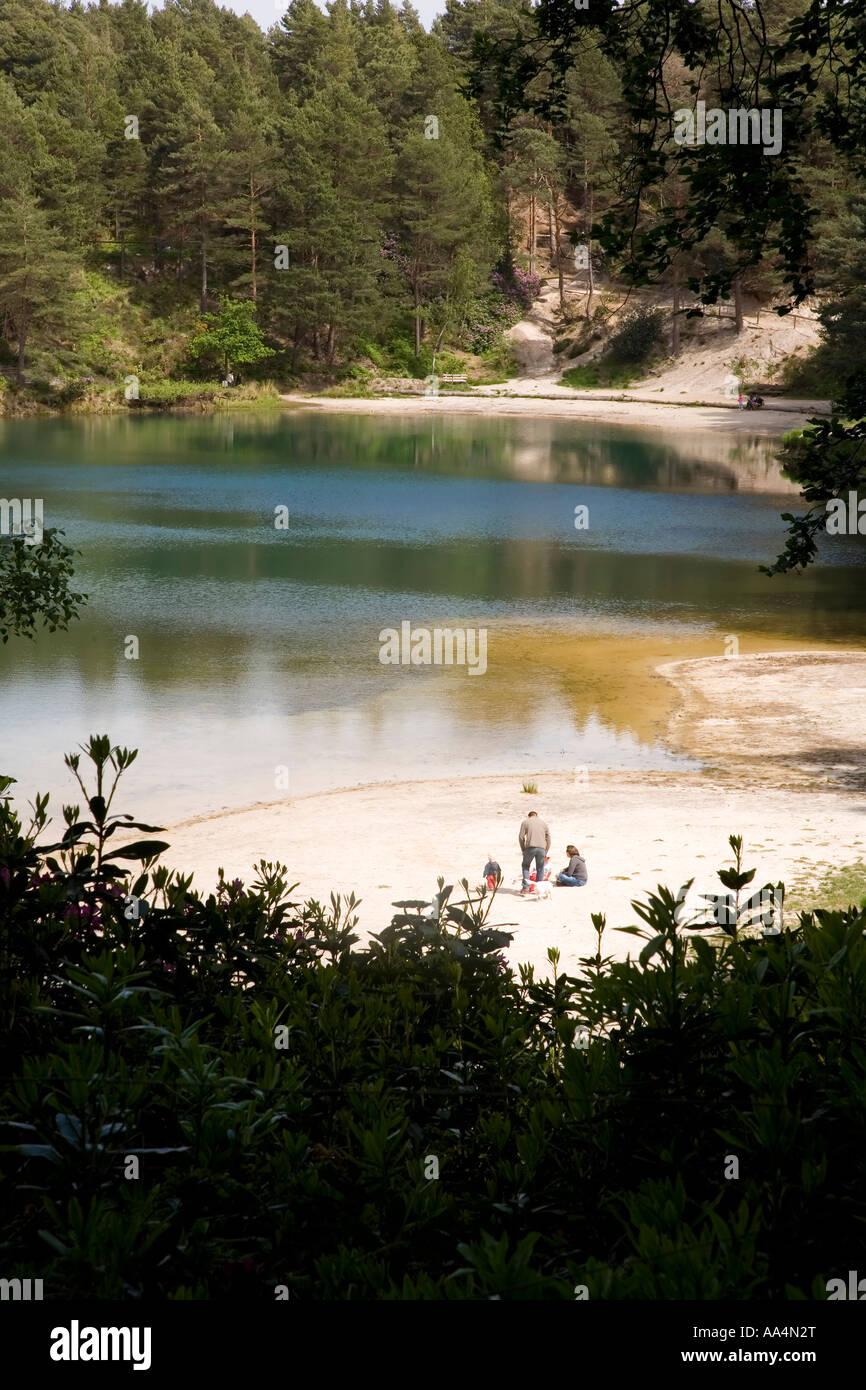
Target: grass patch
<point x="837" y="889"/>
<point x="530" y="788"/>
<point x="190" y="393"/>
<point x="348" y="388"/>
<point x="599" y="375"/>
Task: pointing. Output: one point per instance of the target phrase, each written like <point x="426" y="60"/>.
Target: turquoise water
<point x="258" y="648"/>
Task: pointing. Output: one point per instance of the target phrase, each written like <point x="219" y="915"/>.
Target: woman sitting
<point x="574" y="873"/>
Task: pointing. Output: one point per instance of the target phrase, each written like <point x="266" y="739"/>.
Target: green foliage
<point x="500" y="362"/>
<point x="38" y="275"/>
<point x="285" y="1091"/>
<point x="35" y="584"/>
<point x="834" y="888"/>
<point x="166" y="393"/>
<point x="598" y="375"/>
<point x="231" y="336"/>
<point x="637" y="336"/>
<point x="829" y="460"/>
<point x="667" y="53"/>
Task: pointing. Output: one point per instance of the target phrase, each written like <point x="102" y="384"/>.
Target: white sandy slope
<point x="389" y="841"/>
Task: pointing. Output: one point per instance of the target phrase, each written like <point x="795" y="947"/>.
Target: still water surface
<point x="259" y="647"/>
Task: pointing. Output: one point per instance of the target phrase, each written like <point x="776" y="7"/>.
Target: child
<point x="492" y="872"/>
<point x="533" y="876"/>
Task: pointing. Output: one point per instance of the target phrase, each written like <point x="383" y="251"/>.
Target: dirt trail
<point x="532" y="341"/>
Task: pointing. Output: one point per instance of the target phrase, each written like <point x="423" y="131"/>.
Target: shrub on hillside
<point x="637" y="335"/>
<point x="522" y="286"/>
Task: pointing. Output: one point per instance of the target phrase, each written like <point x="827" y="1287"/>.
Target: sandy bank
<point x="389" y="841"/>
<point x="775" y="419"/>
<point x="792" y="717"/>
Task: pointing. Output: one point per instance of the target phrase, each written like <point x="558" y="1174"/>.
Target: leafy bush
<point x="290" y="1099"/>
<point x="184" y="392"/>
<point x="598" y="375"/>
<point x="520" y="285"/>
<point x="449" y="362"/>
<point x="637" y="335"/>
<point x="500" y="360"/>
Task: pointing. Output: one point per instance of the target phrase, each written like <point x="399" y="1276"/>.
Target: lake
<point x="258" y="671"/>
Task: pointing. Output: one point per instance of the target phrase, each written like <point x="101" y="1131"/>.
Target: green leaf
<point x="652" y="947"/>
<point x="140" y="849"/>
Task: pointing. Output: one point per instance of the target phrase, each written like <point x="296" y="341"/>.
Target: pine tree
<point x="193" y="186"/>
<point x="39" y="277"/>
<point x="444" y="205"/>
<point x="328" y="210"/>
<point x="252" y="172"/>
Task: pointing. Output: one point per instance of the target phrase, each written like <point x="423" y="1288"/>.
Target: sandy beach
<point x="776" y="770"/>
<point x="776" y="418"/>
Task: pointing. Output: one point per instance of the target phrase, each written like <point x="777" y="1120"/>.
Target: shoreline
<point x="602" y="409"/>
<point x="636" y="828"/>
<point x="489" y="402"/>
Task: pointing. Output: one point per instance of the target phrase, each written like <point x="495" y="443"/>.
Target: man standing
<point x="535" y="842"/>
<point x="574" y="873"/>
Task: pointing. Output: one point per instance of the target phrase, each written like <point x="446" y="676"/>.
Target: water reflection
<point x="260" y="647"/>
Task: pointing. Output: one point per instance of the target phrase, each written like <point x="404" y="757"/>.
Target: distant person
<point x="534" y="840"/>
<point x="492" y="872"/>
<point x="741" y="400"/>
<point x="574" y="873"/>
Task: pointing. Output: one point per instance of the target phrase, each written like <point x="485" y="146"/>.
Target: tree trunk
<point x="532" y="234"/>
<point x="19" y="367"/>
<point x="589" y="208"/>
<point x="332" y="342"/>
<point x="675" y="332"/>
<point x="738" y="304"/>
<point x="253" y="238"/>
<point x="559" y="259"/>
<point x="204" y="275"/>
<point x="417" y="325"/>
<point x="122" y="254"/>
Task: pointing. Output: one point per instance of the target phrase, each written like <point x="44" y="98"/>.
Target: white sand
<point x="561" y="403"/>
<point x="768" y="722"/>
